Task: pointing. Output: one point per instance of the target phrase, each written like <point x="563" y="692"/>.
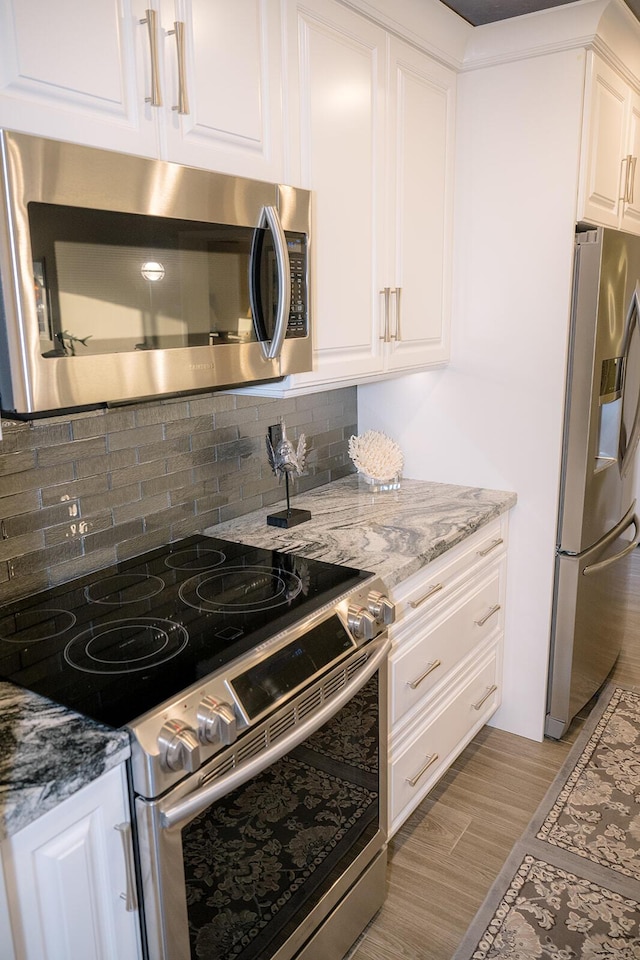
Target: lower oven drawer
<point x="431" y="747"/>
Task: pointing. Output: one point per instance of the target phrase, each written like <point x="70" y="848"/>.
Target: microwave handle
<point x="272" y="348"/>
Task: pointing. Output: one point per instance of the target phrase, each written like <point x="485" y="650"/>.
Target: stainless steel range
<point x="251" y="682"/>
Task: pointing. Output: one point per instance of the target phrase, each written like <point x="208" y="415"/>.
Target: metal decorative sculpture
<point x="286" y="460"/>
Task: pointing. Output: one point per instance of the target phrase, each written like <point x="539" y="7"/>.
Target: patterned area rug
<point x="570" y="889"/>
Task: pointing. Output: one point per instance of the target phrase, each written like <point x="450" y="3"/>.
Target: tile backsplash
<point x="81" y="491"/>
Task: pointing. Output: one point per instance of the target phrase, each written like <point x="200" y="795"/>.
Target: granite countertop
<point x="393" y="533"/>
<point x="47" y="754"/>
<point x="50" y="752"/>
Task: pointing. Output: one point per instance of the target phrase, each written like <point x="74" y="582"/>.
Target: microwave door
<point x="270" y="284"/>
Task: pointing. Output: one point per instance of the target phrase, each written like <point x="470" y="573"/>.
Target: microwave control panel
<point x="297" y="246"/>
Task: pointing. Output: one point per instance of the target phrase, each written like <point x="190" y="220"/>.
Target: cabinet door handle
<point x="397" y="293"/>
<point x="632" y="178"/>
<point x="182" y="105"/>
<point x="629" y="174"/>
<point x="414" y="684"/>
<point x="490" y="690"/>
<point x="129" y="897"/>
<point x="435" y="589"/>
<point x="413" y="780"/>
<point x="481" y="622"/>
<point x="492" y="546"/>
<point x="386" y="294"/>
<point x="151" y="20"/>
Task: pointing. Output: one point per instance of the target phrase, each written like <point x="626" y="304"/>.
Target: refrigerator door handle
<point x="628" y="446"/>
<point x="603" y="564"/>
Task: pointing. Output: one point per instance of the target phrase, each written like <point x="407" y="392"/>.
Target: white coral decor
<point x="376" y="455"/>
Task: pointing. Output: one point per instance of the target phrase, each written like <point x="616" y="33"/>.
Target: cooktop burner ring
<point x="28" y="625"/>
<point x="123" y="588"/>
<point x="166" y="638"/>
<point x="240" y="590"/>
<point x="195" y="558"/>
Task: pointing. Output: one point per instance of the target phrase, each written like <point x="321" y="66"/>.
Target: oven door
<point x="252" y="859"/>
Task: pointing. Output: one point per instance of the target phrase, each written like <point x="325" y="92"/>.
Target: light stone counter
<point x="47" y="753"/>
<point x="393" y="533"/>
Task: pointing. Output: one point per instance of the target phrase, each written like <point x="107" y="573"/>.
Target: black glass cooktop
<point x="122" y="641"/>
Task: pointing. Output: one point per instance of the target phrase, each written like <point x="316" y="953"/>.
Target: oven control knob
<point x="179" y="746"/>
<point x="361" y="623"/>
<point x="216" y="721"/>
<point x="381" y="608"/>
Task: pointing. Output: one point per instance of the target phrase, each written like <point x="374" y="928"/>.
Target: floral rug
<point x="570" y="889"/>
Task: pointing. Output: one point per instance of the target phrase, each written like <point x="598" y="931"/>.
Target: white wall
<point x="493" y="417"/>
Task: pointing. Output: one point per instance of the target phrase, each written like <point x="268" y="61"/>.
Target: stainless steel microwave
<point x="124" y="278"/>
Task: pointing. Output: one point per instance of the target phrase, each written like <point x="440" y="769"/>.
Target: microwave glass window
<point x="149" y="282"/>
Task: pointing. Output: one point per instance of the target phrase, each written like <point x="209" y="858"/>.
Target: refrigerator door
<point x="590" y="607"/>
<point x="602" y="413"/>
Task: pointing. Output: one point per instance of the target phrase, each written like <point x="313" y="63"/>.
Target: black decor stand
<point x="289" y="517"/>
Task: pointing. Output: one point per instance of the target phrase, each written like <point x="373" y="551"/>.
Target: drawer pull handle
<point x="414" y="684"/>
<point x="413" y="780"/>
<point x="124" y="829"/>
<point x="481" y="622"/>
<point x="435" y="589"/>
<point x="492" y="546"/>
<point x="490" y="690"/>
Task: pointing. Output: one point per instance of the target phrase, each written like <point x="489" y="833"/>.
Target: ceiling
<point x="478" y="12"/>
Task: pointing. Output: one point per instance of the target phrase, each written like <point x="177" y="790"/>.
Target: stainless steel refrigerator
<point x="597" y="525"/>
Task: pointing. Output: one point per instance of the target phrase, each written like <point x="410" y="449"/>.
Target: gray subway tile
<point x="16" y="462"/>
<point x="147" y="414"/>
<point x="110" y="499"/>
<point x="74" y="450"/>
<point x="140" y="508"/>
<point x="164" y="449"/>
<point x="75" y="490"/>
<point x="16" y="546"/>
<point x="19" y="503"/>
<point x="137" y="437"/>
<point x="36" y="478"/>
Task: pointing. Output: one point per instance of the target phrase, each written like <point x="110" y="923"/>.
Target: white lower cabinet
<point x="69" y="879"/>
<point x="446" y="663"/>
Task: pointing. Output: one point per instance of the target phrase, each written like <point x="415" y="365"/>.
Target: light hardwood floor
<point x="444" y="859"/>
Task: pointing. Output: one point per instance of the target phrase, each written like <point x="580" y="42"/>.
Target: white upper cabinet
<point x="336" y="66"/>
<point x="74" y="71"/>
<point x="610" y="177"/>
<point x="222" y="88"/>
<point x="420" y="143"/>
<point x="372" y="123"/>
<point x="197" y="81"/>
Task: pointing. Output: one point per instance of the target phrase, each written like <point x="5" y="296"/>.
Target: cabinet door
<point x="336" y="87"/>
<point x="631" y="208"/>
<point x="419" y="180"/>
<point x="76" y="71"/>
<point x="66" y="876"/>
<point x="232" y="119"/>
<point x="605" y="146"/>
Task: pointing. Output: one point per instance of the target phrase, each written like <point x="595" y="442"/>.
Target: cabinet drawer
<point x="432" y="748"/>
<point x="431" y="585"/>
<point x="419" y="667"/>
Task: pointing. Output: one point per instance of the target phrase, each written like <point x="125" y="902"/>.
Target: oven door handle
<point x="197" y="802"/>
